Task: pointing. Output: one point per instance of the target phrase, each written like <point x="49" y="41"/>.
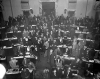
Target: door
<point x="71" y="13"/>
<point x="1" y="15"/>
<point x="48" y="7"/>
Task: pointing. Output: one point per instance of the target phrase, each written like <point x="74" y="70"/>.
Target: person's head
<point x="11" y="58"/>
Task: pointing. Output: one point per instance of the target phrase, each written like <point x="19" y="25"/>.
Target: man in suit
<point x="72" y="33"/>
<point x="75" y="51"/>
<point x="46" y="44"/>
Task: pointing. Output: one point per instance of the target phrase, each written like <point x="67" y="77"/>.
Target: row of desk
<point x="17" y="71"/>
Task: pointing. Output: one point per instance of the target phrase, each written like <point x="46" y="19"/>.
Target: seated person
<point x="13" y="63"/>
<point x="25" y="34"/>
<point x="28" y="70"/>
<point x="57" y="51"/>
<point x="89" y="36"/>
<point x="59" y="66"/>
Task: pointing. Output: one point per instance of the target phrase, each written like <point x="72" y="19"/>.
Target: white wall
<point x="60" y="6"/>
<point x="81" y="8"/>
<point x="7" y="9"/>
<point x="63" y="4"/>
<point x="16" y="7"/>
<point x="34" y="4"/>
<point x="90" y="8"/>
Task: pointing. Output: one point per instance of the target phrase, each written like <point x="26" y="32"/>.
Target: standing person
<point x="89" y="36"/>
<point x="74" y="43"/>
<point x="31" y="68"/>
<point x="37" y="53"/>
<point x="75" y="51"/>
<point x="57" y="52"/>
<point x="52" y="56"/>
<point x="50" y="52"/>
<point x="81" y="44"/>
<point x="72" y="33"/>
<point x="25" y="62"/>
<point x="46" y="44"/>
<point x="25" y="74"/>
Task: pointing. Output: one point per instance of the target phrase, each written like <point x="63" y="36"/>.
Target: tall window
<point x="72" y="4"/>
<point x="25" y="4"/>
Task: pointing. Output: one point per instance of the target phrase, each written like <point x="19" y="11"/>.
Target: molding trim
<point x="25" y="9"/>
<point x="71" y="9"/>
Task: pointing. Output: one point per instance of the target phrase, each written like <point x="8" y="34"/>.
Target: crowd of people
<point x="45" y="35"/>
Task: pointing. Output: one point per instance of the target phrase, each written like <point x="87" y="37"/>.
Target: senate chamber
<point x="51" y="39"/>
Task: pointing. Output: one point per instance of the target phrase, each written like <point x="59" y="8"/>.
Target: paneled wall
<point x="34" y="4"/>
<point x="7" y="9"/>
<point x="16" y="7"/>
<point x="11" y="8"/>
<point x="81" y="8"/>
<point x="60" y="5"/>
<point x="90" y="8"/>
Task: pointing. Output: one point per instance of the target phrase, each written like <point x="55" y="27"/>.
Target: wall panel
<point x="7" y="9"/>
<point x="16" y="6"/>
<point x="60" y="6"/>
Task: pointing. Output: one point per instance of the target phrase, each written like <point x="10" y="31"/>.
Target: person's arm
<point x="16" y="63"/>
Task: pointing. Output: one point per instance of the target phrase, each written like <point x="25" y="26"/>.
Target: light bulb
<point x="2" y="71"/>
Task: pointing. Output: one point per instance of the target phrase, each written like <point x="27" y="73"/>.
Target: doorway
<point x="48" y="8"/>
<point x="71" y="13"/>
<point x="1" y="15"/>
